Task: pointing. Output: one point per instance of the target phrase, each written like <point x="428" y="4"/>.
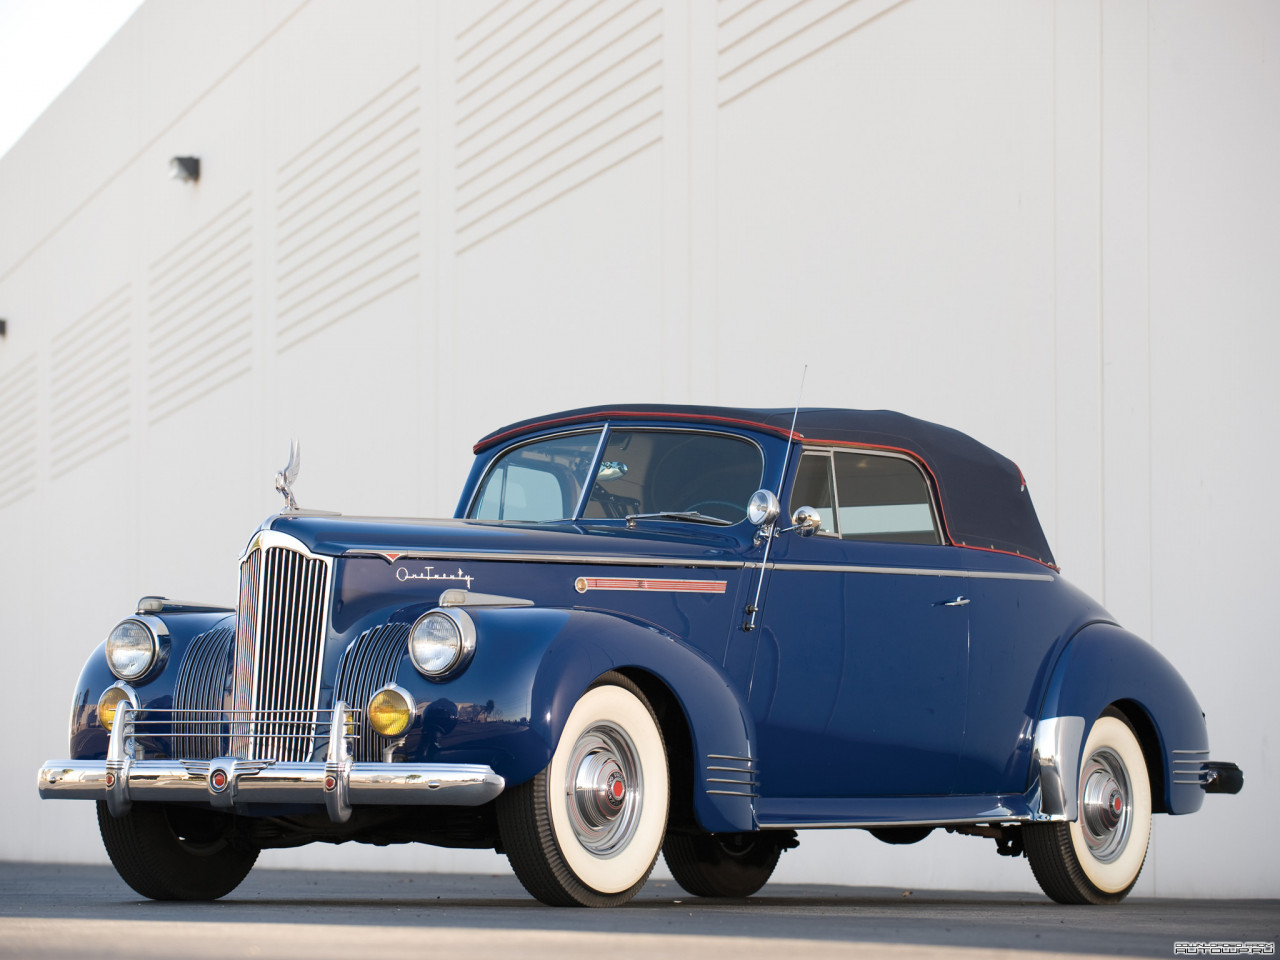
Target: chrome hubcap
<point x="1106" y="805"/>
<point x="604" y="789"/>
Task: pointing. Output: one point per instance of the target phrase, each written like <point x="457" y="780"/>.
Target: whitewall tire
<point x="1097" y="858"/>
<point x="587" y="830"/>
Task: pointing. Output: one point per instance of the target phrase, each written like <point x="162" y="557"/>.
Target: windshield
<point x="538" y="481"/>
<point x="642" y="472"/>
<point x="647" y="471"/>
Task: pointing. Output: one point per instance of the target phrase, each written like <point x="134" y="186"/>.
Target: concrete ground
<point x="56" y="910"/>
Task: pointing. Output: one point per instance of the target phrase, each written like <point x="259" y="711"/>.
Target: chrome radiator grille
<point x="198" y="694"/>
<point x="279" y="651"/>
<point x="368" y="665"/>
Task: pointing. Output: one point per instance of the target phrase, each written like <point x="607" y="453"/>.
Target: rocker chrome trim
<point x="842" y="824"/>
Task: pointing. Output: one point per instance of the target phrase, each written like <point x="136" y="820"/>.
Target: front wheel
<point x="1097" y="858"/>
<point x="727" y="865"/>
<point x="175" y="853"/>
<point x="587" y="829"/>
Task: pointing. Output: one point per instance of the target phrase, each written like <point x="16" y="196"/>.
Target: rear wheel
<point x="587" y="829"/>
<point x="726" y="865"/>
<point x="175" y="853"/>
<point x="1097" y="858"/>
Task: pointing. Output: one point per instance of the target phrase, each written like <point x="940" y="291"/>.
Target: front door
<point x="859" y="675"/>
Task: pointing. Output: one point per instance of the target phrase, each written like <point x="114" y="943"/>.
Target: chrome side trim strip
<point x="583" y="584"/>
<point x="588" y="560"/>
<point x="581" y="559"/>
<point x="913" y="571"/>
<point x="1056" y="754"/>
<point x="730" y="793"/>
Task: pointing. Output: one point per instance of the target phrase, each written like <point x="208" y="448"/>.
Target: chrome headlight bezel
<point x="462" y="642"/>
<point x="154" y="629"/>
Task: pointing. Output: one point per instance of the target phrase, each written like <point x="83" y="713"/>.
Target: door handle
<point x="957" y="602"/>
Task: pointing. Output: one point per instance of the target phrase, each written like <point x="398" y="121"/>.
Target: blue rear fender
<point x="701" y="714"/>
<point x="1104" y="665"/>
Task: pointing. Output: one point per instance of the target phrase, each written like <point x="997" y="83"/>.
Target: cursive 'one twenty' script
<point x="402" y="573"/>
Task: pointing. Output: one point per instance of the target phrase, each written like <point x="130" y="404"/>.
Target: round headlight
<point x="107" y="704"/>
<point x="441" y="642"/>
<point x="390" y="711"/>
<point x="131" y="649"/>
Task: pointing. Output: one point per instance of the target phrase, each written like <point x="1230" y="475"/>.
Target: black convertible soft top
<point x="984" y="498"/>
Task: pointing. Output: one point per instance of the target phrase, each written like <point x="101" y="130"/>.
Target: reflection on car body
<point x="624" y="644"/>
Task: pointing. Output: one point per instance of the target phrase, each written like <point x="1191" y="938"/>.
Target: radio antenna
<point x="791" y="437"/>
<point x="768" y="531"/>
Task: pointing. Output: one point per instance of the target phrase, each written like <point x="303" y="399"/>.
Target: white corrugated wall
<point x="1055" y="226"/>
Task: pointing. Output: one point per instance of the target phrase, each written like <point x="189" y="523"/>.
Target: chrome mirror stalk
<point x="806" y="520"/>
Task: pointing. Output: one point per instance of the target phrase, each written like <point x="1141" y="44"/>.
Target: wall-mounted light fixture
<point x="185" y="168"/>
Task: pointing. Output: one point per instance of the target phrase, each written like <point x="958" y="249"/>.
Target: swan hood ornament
<point x="287" y="475"/>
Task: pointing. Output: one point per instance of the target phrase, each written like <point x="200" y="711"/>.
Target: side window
<point x="883" y="498"/>
<point x="537" y="481"/>
<point x="813" y="488"/>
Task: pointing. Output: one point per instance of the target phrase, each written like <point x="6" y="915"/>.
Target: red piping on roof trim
<point x="941" y="515"/>
<point x="484" y="444"/>
<point x="1010" y="553"/>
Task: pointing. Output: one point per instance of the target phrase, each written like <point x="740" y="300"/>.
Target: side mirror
<point x="806" y="521"/>
<point x="763" y="508"/>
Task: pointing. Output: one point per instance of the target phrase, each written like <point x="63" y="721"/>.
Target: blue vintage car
<point x="625" y="643"/>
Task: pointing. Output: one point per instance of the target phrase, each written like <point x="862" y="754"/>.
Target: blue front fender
<point x="1105" y="665"/>
<point x="587" y="644"/>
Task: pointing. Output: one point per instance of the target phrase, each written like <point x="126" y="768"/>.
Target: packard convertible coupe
<point x="690" y="629"/>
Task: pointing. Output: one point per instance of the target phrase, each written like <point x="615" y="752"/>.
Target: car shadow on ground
<point x="1137" y="927"/>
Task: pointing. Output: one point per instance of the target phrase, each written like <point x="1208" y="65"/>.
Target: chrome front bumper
<point x="225" y="782"/>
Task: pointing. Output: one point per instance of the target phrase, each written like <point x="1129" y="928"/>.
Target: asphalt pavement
<point x="56" y="910"/>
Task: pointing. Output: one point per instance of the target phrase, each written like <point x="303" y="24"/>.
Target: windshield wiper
<point x="691" y="515"/>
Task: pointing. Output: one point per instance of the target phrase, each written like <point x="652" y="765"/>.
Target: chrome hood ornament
<point x="286" y="477"/>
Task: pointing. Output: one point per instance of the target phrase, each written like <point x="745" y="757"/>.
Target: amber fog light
<point x="107" y="704"/>
<point x="391" y="711"/>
